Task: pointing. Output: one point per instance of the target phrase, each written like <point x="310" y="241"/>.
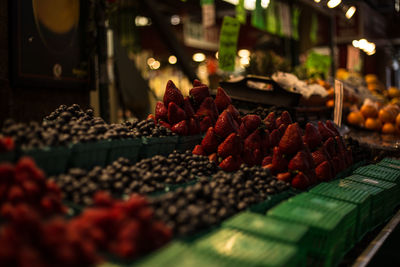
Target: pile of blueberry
<point x="147" y="128"/>
<point x="209" y="202"/>
<point x="263" y="111"/>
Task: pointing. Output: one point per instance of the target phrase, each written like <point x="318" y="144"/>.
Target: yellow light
<point x="199" y="57"/>
<point x="142" y="21"/>
<point x="355" y="43"/>
<point x="244" y="61"/>
<point x="172" y="60"/>
<point x="216" y="55"/>
<point x="244" y="53"/>
<point x="333" y="3"/>
<point x="350" y="12"/>
<point x="150" y="61"/>
<point x="317" y="1"/>
<point x="156" y="65"/>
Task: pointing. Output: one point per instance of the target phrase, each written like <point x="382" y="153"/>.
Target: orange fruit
<point x="373" y="124"/>
<point x="369" y="111"/>
<point x="355" y="118"/>
<point x="387" y="115"/>
<point x="330" y="103"/>
<point x="388" y="128"/>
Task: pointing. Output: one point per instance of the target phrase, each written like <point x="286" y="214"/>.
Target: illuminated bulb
<point x="172" y="60"/>
<point x="156" y="65"/>
<point x="142" y="21"/>
<point x="244" y="61"/>
<point x="175" y="20"/>
<point x="199" y="57"/>
<point x="355" y="43"/>
<point x="150" y="61"/>
<point x="371" y="53"/>
<point x="244" y="53"/>
<point x="216" y="55"/>
<point x="333" y="3"/>
<point x="362" y="43"/>
<point x="350" y="12"/>
<point x="317" y="1"/>
<point x="250" y="4"/>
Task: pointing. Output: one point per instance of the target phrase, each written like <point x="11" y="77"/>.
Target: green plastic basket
<point x="241" y="249"/>
<point x="377" y="215"/>
<point x="270" y="202"/>
<point x="89" y="155"/>
<point x="360" y="198"/>
<point x="8" y="156"/>
<point x="157" y="146"/>
<point x="389" y="165"/>
<point x="380" y="172"/>
<point x="391" y="191"/>
<point x="391" y="161"/>
<point x="188" y="142"/>
<point x="126" y="148"/>
<point x="52" y="160"/>
<point x="327" y="239"/>
<point x="345" y="209"/>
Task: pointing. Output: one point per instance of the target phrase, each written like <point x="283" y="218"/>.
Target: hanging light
<point x="244" y="53"/>
<point x="150" y="61"/>
<point x="175" y="19"/>
<point x="350" y="12"/>
<point x="172" y="60"/>
<point x="199" y="57"/>
<point x="333" y="3"/>
<point x="317" y="1"/>
<point x="156" y="65"/>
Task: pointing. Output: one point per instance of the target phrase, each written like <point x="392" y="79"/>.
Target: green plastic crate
<point x="52" y="160"/>
<point x="360" y="198"/>
<point x="188" y="142"/>
<point x="157" y="146"/>
<point x="327" y="239"/>
<point x="241" y="249"/>
<point x="389" y="165"/>
<point x="8" y="156"/>
<point x="391" y="191"/>
<point x="179" y="254"/>
<point x="377" y="215"/>
<point x="126" y="148"/>
<point x="270" y="202"/>
<point x="391" y="161"/>
<point x="380" y="172"/>
<point x="345" y="209"/>
<point x="89" y="155"/>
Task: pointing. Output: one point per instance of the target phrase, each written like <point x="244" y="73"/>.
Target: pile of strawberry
<point x="124" y="228"/>
<point x="192" y="114"/>
<point x="25" y="183"/>
<point x="6" y="144"/>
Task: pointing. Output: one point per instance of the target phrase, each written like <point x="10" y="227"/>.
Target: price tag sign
<point x="228" y="43"/>
<point x="337" y="114"/>
<point x="208" y="13"/>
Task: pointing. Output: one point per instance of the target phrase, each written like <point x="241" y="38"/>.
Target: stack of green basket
<point x="380" y="172"/>
<point x="358" y="197"/>
<point x="157" y="146"/>
<point x="188" y="142"/>
<point x="88" y="155"/>
<point x="271" y="201"/>
<point x="377" y="215"/>
<point x="327" y="238"/>
<point x="52" y="160"/>
<point x="240" y="249"/>
<point x="391" y="162"/>
<point x="126" y="148"/>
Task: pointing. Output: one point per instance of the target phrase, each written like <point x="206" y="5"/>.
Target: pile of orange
<point x="385" y="120"/>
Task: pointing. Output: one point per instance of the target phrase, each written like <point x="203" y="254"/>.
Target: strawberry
<point x="210" y="141"/>
<point x="197" y="83"/>
<point x="165" y="124"/>
<point x="324" y="171"/>
<point x="175" y="113"/>
<point x="284" y="119"/>
<point x="243" y="132"/>
<point x="311" y="136"/>
<point x="208" y="108"/>
<point x="6" y="144"/>
<point x="267" y="160"/>
<point x="340" y="145"/>
<point x="231" y="146"/>
<point x="309" y="157"/>
<point x="300" y="181"/>
<point x="213" y="158"/>
<point x="253" y="141"/>
<point x="282" y="128"/>
<point x="222" y="100"/>
<point x="335" y="165"/>
<point x="198" y="93"/>
<point x="194" y="126"/>
<point x="299" y="162"/>
<point x="172" y="94"/>
<point x="230" y="164"/>
<point x="329" y="145"/>
<point x="235" y="113"/>
<point x="251" y="122"/>
<point x="181" y="128"/>
<point x="198" y="150"/>
<point x="320" y="156"/>
<point x="285" y="176"/>
<point x="252" y="156"/>
<point x="224" y="125"/>
<point x="161" y="111"/>
<point x="269" y="121"/>
<point x="274" y="138"/>
<point x="291" y="141"/>
<point x="264" y="142"/>
<point x="279" y="163"/>
<point x="324" y="131"/>
<point x="187" y="106"/>
<point x="151" y="117"/>
<point x="205" y="123"/>
<point x="331" y="126"/>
